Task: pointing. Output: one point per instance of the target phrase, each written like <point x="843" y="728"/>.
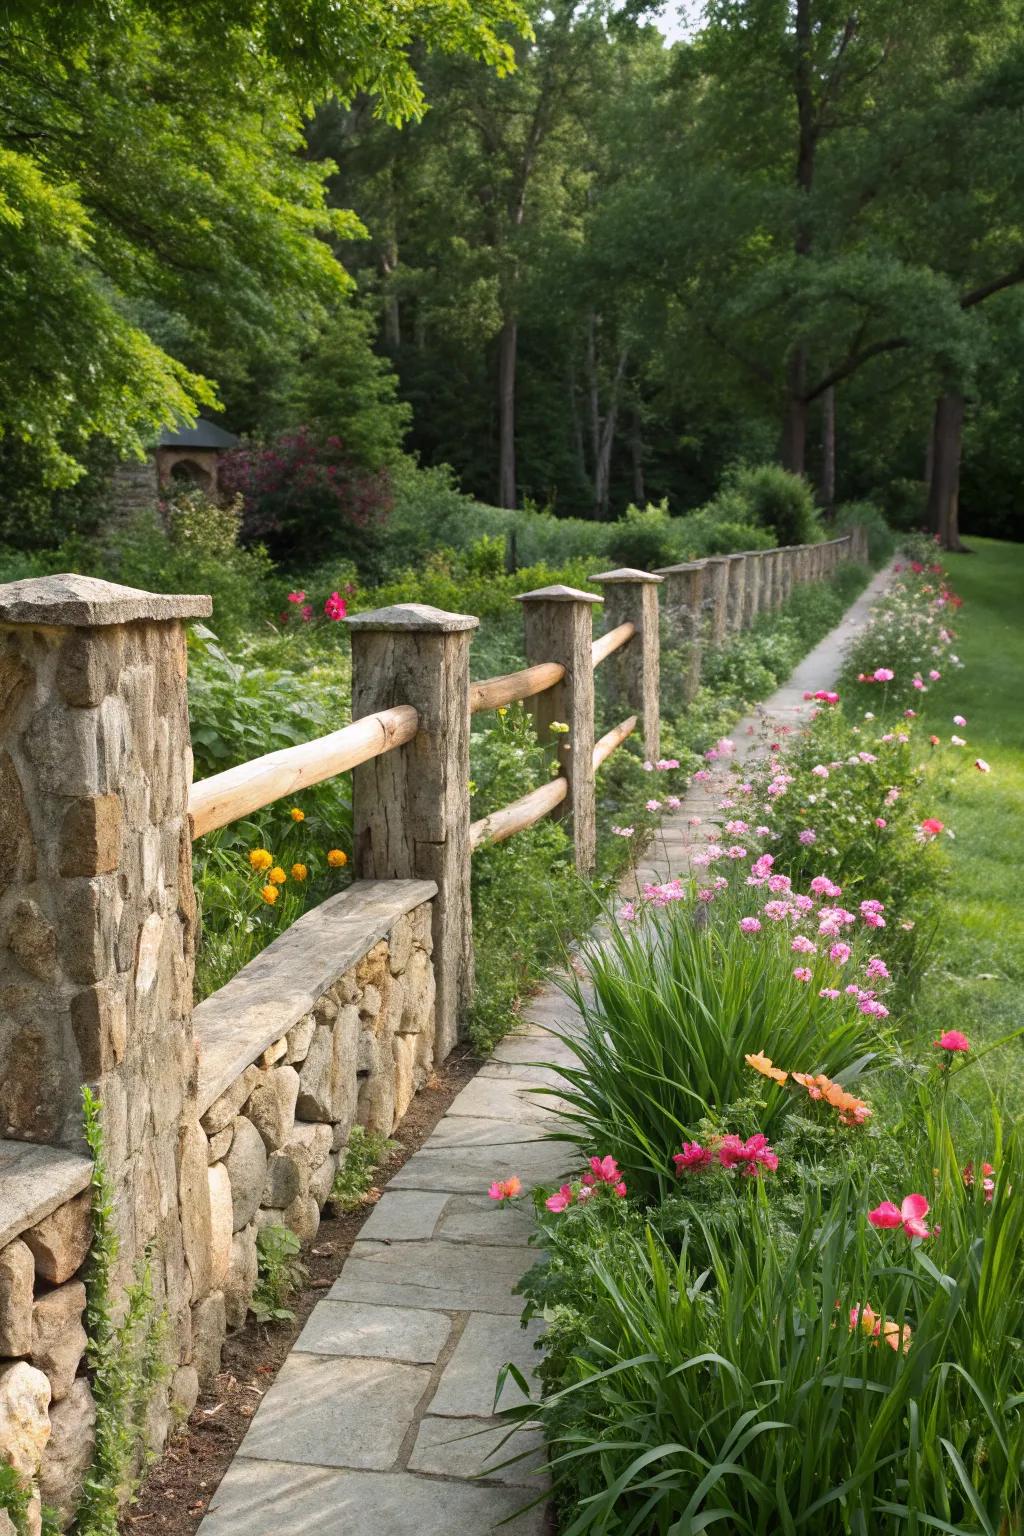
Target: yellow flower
<point x="337" y="858"/>
<point x="299" y="871"/>
<point x="259" y="858"/>
<point x="277" y="875"/>
<point x="270" y="894"/>
<point x="503" y="710"/>
<point x="296" y="814"/>
<point x="763" y="1064"/>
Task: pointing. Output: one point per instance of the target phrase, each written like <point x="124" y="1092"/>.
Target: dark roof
<point x="205" y="434"/>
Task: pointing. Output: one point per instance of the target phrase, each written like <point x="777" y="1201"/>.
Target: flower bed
<point x="785" y="1294"/>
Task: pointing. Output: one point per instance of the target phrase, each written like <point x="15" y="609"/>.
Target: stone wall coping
<point x="68" y="599"/>
<point x="35" y="1180"/>
<point x="413" y="616"/>
<point x="236" y="1024"/>
<point x="626" y="573"/>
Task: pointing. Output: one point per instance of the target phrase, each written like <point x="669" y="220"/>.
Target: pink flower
<point x="748" y="1156"/>
<point x="335" y="607"/>
<point x="803" y="946"/>
<point x="603" y="1170"/>
<point x="749" y="925"/>
<point x="623" y="831"/>
<point x="880" y="821"/>
<point x="840" y="953"/>
<point x="735" y="852"/>
<point x="831" y="992"/>
<point x="876" y="969"/>
<point x="652" y="805"/>
<point x="561" y="1201"/>
<point x="934" y="675"/>
<point x="959" y="720"/>
<point x="883" y="675"/>
<point x="296" y="597"/>
<point x="673" y="802"/>
<point x="988" y="1183"/>
<point x="505" y="1189"/>
<point x="693" y="1158"/>
<point x="820" y="771"/>
<point x="628" y="912"/>
<point x="801" y="973"/>
<point x="909" y="1215"/>
<point x="952" y="1040"/>
<point x="307" y="612"/>
<point x="981" y="765"/>
<point x="930" y="827"/>
<point x="919" y="685"/>
<point x="808" y="837"/>
<point x="665" y="763"/>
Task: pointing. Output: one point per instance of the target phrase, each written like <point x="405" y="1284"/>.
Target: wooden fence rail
<point x="493" y="692"/>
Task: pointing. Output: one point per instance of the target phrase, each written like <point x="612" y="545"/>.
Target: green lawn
<point x="977" y="980"/>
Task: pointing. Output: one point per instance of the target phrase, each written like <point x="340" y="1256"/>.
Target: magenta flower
<point x="909" y="1215"/>
<point x="749" y="925"/>
<point x="296" y="597"/>
<point x="603" y="1170"/>
<point x="953" y="1040"/>
<point x="748" y="1156"/>
<point x="801" y="973"/>
<point x="876" y="969"/>
<point x="840" y="953"/>
<point x="561" y="1201"/>
<point x="693" y="1158"/>
<point x="883" y="675"/>
<point x="335" y="607"/>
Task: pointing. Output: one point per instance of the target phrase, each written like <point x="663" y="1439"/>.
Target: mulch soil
<point x="177" y="1490"/>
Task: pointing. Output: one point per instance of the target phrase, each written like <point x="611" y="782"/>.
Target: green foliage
<point x="643" y="538"/>
<point x="678" y="1001"/>
<point x="772" y="498"/>
<point x="125" y="1354"/>
<point x="866" y="514"/>
<point x="365" y="1153"/>
<point x="342" y="386"/>
<point x="280" y="1273"/>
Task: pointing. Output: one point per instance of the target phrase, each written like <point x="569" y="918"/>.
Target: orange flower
<point x="260" y="859"/>
<point x="296" y="814"/>
<point x="277" y="875"/>
<point x="895" y="1336"/>
<point x="763" y="1064"/>
<point x="337" y="858"/>
<point x="815" y="1086"/>
<point x="299" y="871"/>
<point x="270" y="894"/>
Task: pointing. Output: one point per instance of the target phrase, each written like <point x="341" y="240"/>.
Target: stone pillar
<point x="683" y="598"/>
<point x="634" y="678"/>
<point x="787" y="562"/>
<point x="558" y="625"/>
<point x="410" y="807"/>
<point x="753" y="589"/>
<point x="97" y="913"/>
<point x="736" y="588"/>
<point x="716" y="599"/>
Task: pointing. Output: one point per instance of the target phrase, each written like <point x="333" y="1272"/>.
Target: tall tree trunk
<point x="636" y="454"/>
<point x="392" y="317"/>
<point x="578" y="452"/>
<point x="944" y="486"/>
<point x="828" y="451"/>
<point x="508" y="344"/>
<point x="794" y="427"/>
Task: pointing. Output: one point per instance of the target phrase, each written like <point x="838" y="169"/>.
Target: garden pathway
<point x="380" y="1419"/>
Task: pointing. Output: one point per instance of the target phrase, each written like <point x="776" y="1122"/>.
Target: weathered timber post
<point x="558" y="625"/>
<point x="410" y="808"/>
<point x="97" y="922"/>
<point x="753" y="591"/>
<point x="683" y="595"/>
<point x="716" y="598"/>
<point x="787" y="564"/>
<point x="736" y="587"/>
<point x="634" y="669"/>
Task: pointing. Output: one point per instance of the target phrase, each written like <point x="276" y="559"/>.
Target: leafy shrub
<point x="643" y="538"/>
<point x="306" y="489"/>
<point x="866" y="514"/>
<point x="280" y="1273"/>
<point x="911" y="636"/>
<point x="365" y="1153"/>
<point x="905" y="503"/>
<point x="771" y="497"/>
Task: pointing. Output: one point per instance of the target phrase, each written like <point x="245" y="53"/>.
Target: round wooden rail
<point x="224" y="797"/>
<point x="513" y="686"/>
<point x="522" y="813"/>
<point x="606" y="644"/>
<point x="604" y="748"/>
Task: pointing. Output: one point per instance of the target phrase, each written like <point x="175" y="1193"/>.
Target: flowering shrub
<point x="909" y="643"/>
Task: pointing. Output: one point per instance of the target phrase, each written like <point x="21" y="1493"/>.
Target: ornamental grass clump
<point x="679" y="997"/>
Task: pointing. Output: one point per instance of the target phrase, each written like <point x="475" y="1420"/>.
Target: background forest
<point x="583" y="266"/>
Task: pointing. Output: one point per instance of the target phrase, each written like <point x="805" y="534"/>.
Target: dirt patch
<point x="177" y="1492"/>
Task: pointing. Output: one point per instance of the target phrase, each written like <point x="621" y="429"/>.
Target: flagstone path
<point x="381" y="1419"/>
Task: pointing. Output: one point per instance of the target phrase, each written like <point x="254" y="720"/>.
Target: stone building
<point x="182" y="458"/>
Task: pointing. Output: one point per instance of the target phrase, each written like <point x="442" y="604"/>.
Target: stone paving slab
<point x="268" y="1498"/>
<point x="371" y="1426"/>
<point x="450" y="1276"/>
<point x="329" y="1411"/>
<point x="377" y="1333"/>
<point x="479" y="1448"/>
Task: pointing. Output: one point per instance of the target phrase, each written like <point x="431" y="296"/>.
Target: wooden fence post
<point x="736" y="588"/>
<point x="558" y="625"/>
<point x="753" y="592"/>
<point x="683" y="595"/>
<point x="410" y="808"/>
<point x="634" y="670"/>
<point x="716" y="598"/>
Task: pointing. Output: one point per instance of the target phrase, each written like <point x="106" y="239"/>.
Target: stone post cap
<point x="413" y="618"/>
<point x="626" y="573"/>
<point x="559" y="594"/>
<point x="687" y="565"/>
<point x="69" y="599"/>
<point x="716" y="559"/>
<point x="741" y="555"/>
